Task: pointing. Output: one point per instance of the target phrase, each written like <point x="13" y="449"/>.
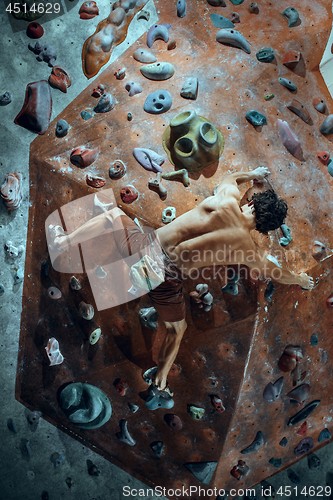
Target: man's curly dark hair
<point x="270" y="211"/>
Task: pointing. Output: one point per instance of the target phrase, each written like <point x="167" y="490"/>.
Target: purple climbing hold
<point x="258" y="441"/>
<point x="273" y="391"/>
<point x="133" y="88"/>
<point x="173" y="421"/>
<point x="304" y="446"/>
<point x="105" y="103"/>
<point x="290" y="140"/>
<point x="181" y="8"/>
<point x="300" y="393"/>
<point x="148" y="159"/>
<point x="37" y="107"/>
<point x="158" y="32"/>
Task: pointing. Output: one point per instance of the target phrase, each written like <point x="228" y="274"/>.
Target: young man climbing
<point x="215" y="232"/>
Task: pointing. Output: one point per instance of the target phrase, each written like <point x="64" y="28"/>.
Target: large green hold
<point x="265" y="55"/>
<point x="255" y="118"/>
<point x="85" y="405"/>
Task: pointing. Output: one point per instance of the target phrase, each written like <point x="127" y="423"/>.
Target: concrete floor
<point x="23" y="477"/>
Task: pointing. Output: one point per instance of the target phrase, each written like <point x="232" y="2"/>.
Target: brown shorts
<point x="168" y="297"/>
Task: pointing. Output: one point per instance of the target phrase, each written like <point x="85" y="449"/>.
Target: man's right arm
<point x="230" y="182"/>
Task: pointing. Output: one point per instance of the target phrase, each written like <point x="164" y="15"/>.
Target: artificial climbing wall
<point x="232" y="351"/>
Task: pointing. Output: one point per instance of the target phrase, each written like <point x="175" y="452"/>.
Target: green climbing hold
<point x="202" y="471"/>
<point x="265" y="55"/>
<point x="255" y="118"/>
<point x="269" y="97"/>
<point x="286" y="238"/>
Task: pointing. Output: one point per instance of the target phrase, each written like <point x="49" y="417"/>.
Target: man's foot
<point x="149" y="377"/>
<point x="158" y="399"/>
<point x="59" y="239"/>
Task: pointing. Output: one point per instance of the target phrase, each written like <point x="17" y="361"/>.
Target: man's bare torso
<point x="213" y="233"/>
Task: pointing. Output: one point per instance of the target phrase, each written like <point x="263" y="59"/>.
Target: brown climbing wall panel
<point x="233" y="350"/>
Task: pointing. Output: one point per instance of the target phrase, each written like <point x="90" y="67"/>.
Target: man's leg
<point x="89" y="230"/>
<point x="169" y="351"/>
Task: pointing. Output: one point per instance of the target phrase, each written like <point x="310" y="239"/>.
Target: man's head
<point x="270" y="211"/>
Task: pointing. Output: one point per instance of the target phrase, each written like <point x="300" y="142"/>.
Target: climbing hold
<point x="53" y="352"/>
<point x="189" y="89"/>
<point x="273" y="391"/>
<point x="54" y="293"/>
<point x="255" y="118"/>
<point x="196" y="412"/>
<point x="320" y="105"/>
<point x="300" y="393"/>
<point x="158" y="32"/>
<point x="233" y="38"/>
<point x="25" y="448"/>
<point x="124" y="435"/>
<point x="217" y="403"/>
<point x="304" y="412"/>
<point x="290" y="357"/>
<point x="240" y="470"/>
<point x="283" y="442"/>
<point x="117" y="169"/>
<point x="304" y="446"/>
<point x="156" y="186"/>
<point x="168" y="214"/>
<point x="92" y="469"/>
<point x="288" y="84"/>
<point x="133" y="407"/>
<point x="254" y="8"/>
<point x="326" y="128"/>
<point x="270" y="288"/>
<point x="121" y="386"/>
<point x="172" y="45"/>
<point x="303" y="429"/>
<point x="276" y="462"/>
<point x="293" y="476"/>
<point x="86" y="115"/>
<point x="148" y="317"/>
<point x="330" y="168"/>
<point x="236" y="2"/>
<point x="290" y="140"/>
<point x="85" y="405"/>
<point x="220" y="21"/>
<point x="286" y="238"/>
<point x="133" y="88"/>
<point x="57" y="459"/>
<point x="258" y="441"/>
<point x="33" y="418"/>
<point x="128" y="194"/>
<point x="69" y="481"/>
<point x="18" y="276"/>
<point x="35" y="30"/>
<point x="2" y="289"/>
<point x="158" y="102"/>
<point x="291" y="14"/>
<point x="144" y="56"/>
<point x="232" y="286"/>
<point x="95" y="336"/>
<point x="75" y="283"/>
<point x="37" y="107"/>
<point x="95" y="181"/>
<point x="148" y="159"/>
<point x="105" y="103"/>
<point x="269" y="97"/>
<point x="88" y="10"/>
<point x="59" y="79"/>
<point x="300" y="110"/>
<point x="158" y="399"/>
<point x="12" y="251"/>
<point x="217" y="3"/>
<point x="86" y="311"/>
<point x="100" y="272"/>
<point x="266" y="55"/>
<point x="120" y="73"/>
<point x="324" y="157"/>
<point x="61" y="128"/>
<point x="192" y="142"/>
<point x="202" y="471"/>
<point x="129" y="117"/>
<point x="173" y="421"/>
<point x="11" y="426"/>
<point x="324" y="435"/>
<point x="143" y="14"/>
<point x="158" y="71"/>
<point x="46" y="53"/>
<point x="83" y="157"/>
<point x="5" y="99"/>
<point x="235" y="17"/>
<point x="314" y="339"/>
<point x="313" y="461"/>
<point x="98" y="91"/>
<point x="181" y="175"/>
<point x="158" y="447"/>
<point x="202" y="297"/>
<point x="181" y="8"/>
<point x="291" y="59"/>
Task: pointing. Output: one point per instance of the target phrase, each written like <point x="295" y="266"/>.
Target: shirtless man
<point x="215" y="232"/>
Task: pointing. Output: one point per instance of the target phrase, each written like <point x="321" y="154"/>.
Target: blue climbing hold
<point x="324" y="435"/>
